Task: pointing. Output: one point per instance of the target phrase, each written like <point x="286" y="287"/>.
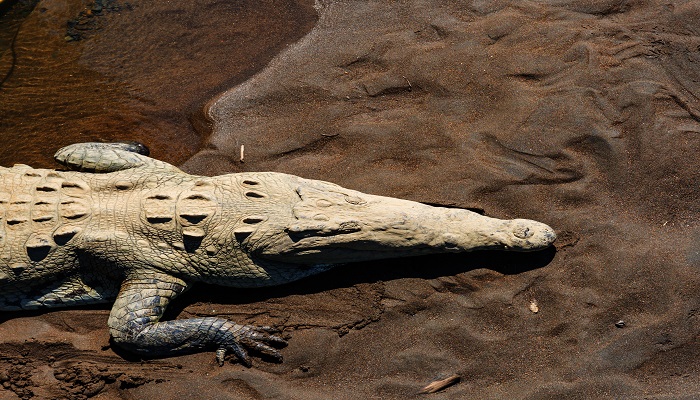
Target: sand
<point x="581" y="114"/>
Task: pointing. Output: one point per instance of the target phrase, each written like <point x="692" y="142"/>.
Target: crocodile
<point x="118" y="226"/>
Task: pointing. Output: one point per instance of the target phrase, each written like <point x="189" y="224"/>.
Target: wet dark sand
<point x="582" y="114"/>
<point x="141" y="71"/>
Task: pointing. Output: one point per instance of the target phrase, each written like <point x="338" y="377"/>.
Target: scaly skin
<point x="124" y="226"/>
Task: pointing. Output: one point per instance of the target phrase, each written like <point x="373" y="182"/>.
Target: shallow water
<point x="74" y="71"/>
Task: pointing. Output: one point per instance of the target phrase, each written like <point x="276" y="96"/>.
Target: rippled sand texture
<point x="582" y="114"/>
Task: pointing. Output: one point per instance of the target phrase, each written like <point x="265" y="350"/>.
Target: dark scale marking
<point x="64" y="234"/>
<point x="242" y="234"/>
<point x="18" y="268"/>
<point x="255" y="195"/>
<point x="197" y="196"/>
<point x="75" y="215"/>
<point x="160" y="197"/>
<point x="202" y="185"/>
<point x="123" y="185"/>
<point x="193" y="218"/>
<point x="120" y="245"/>
<point x="159" y="220"/>
<point x="38" y="247"/>
<point x="192" y="232"/>
<point x="192" y="238"/>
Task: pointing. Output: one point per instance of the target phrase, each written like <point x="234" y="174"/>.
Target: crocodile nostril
<point x="522" y="232"/>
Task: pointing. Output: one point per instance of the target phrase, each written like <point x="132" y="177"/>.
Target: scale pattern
<point x="120" y="226"/>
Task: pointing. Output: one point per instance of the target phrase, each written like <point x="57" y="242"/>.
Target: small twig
<point x="242" y="153"/>
<point x="410" y="87"/>
<point x="437" y="386"/>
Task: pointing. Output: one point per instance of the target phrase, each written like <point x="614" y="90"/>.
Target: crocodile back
<point x="41" y="211"/>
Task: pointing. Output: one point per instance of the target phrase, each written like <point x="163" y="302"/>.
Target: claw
<point x="269" y="329"/>
<point x="262" y="348"/>
<point x="250" y="337"/>
<point x="240" y="354"/>
<point x="220" y="354"/>
<point x="276" y="339"/>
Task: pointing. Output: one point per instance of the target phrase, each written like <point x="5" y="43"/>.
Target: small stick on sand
<point x="410" y="87"/>
<point x="242" y="152"/>
<point x="438" y="385"/>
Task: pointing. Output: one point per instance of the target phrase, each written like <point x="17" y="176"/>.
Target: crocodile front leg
<point x="134" y="324"/>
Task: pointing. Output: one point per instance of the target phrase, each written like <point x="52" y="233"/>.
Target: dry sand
<point x="581" y="114"/>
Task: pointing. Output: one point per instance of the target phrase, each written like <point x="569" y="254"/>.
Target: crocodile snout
<point x="529" y="235"/>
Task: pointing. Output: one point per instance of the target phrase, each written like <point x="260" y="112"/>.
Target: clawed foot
<point x="249" y="337"/>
